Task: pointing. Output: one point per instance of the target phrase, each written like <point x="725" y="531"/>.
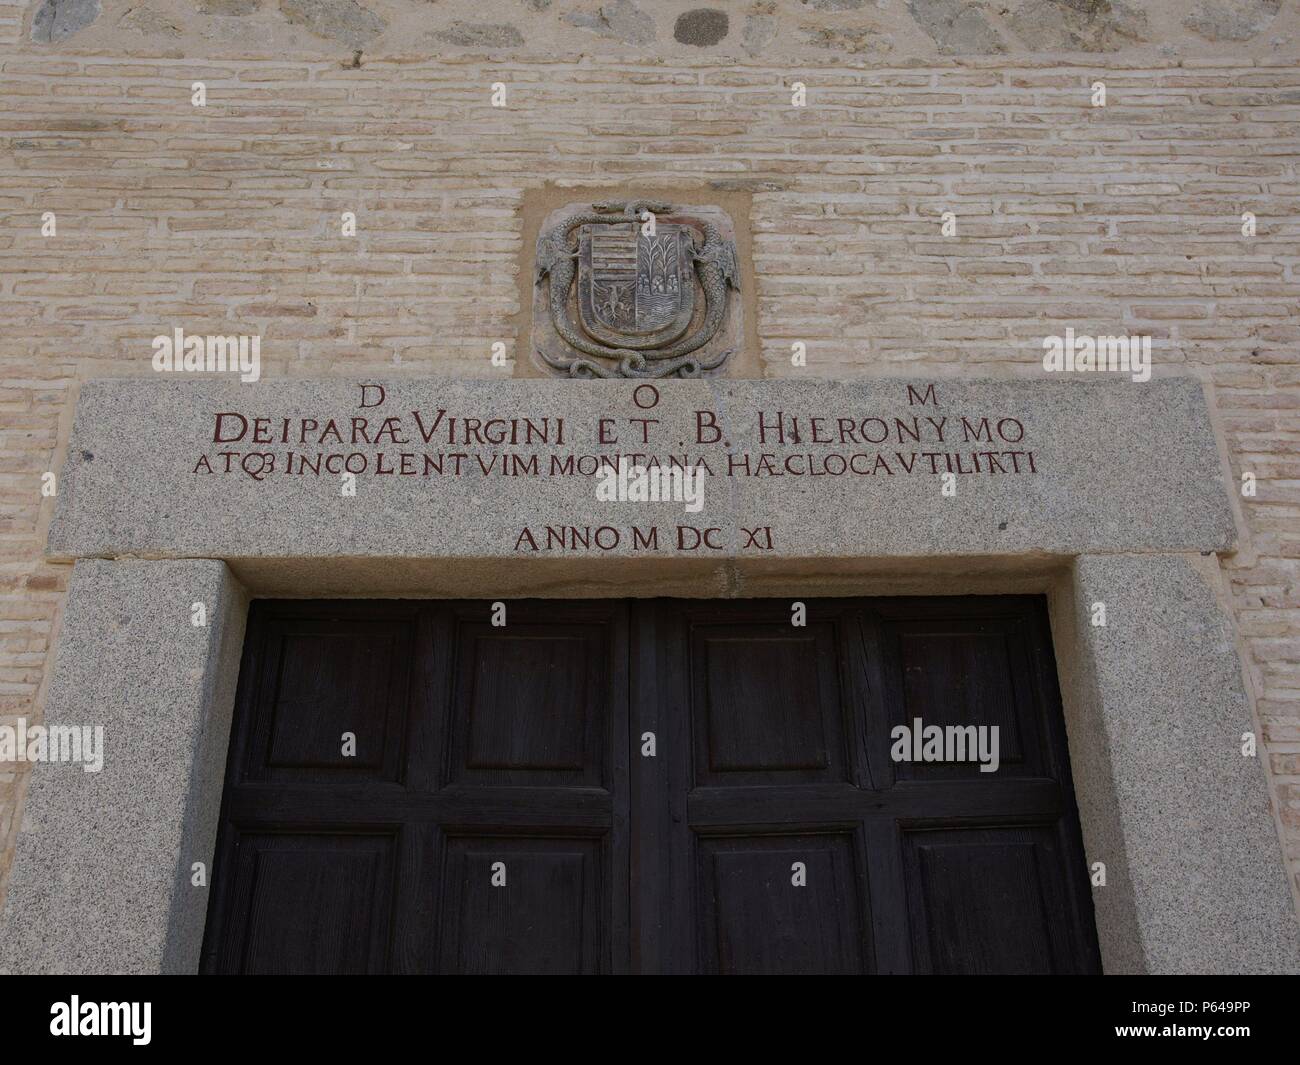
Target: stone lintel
<point x="204" y="466"/>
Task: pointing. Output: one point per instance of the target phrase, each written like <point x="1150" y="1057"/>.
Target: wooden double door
<point x="659" y="786"/>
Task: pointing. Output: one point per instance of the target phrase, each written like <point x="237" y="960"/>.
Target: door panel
<point x="966" y="669"/>
<point x="754" y="920"/>
<point x="321" y="679"/>
<point x="544" y="919"/>
<point x="766" y="705"/>
<point x="530" y="704"/>
<point x="654" y="786"/>
<point x="316" y="902"/>
<point x="985" y="900"/>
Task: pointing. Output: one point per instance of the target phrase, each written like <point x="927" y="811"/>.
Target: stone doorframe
<point x="1104" y="493"/>
<point x="103" y="877"/>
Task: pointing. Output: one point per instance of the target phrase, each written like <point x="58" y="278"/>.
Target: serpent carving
<point x="714" y="261"/>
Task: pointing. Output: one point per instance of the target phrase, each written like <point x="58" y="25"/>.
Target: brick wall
<point x="225" y="219"/>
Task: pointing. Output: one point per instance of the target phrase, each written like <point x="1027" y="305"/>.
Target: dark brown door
<point x="477" y="824"/>
<point x="776" y="767"/>
<point x="411" y="788"/>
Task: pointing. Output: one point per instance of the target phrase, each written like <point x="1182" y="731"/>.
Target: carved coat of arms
<point x="638" y="289"/>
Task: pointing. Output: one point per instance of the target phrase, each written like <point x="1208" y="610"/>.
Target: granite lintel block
<point x="202" y="465"/>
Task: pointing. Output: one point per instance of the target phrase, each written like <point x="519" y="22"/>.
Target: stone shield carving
<point x="639" y="289"/>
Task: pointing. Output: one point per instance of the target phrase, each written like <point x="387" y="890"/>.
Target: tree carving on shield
<point x="650" y="293"/>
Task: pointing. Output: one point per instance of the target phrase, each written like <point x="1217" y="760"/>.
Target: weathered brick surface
<point x="225" y="219"/>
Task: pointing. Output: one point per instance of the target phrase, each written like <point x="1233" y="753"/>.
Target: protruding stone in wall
<point x="1232" y="20"/>
<point x="852" y="40"/>
<point x="758" y="33"/>
<point x="229" y="7"/>
<point x="958" y="28"/>
<point x="1080" y="25"/>
<point x="481" y="35"/>
<point x="57" y="20"/>
<point x="337" y="20"/>
<point x="150" y="22"/>
<point x="703" y="27"/>
<point x="620" y="20"/>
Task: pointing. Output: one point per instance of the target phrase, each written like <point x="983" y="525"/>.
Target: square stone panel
<point x="622" y="286"/>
